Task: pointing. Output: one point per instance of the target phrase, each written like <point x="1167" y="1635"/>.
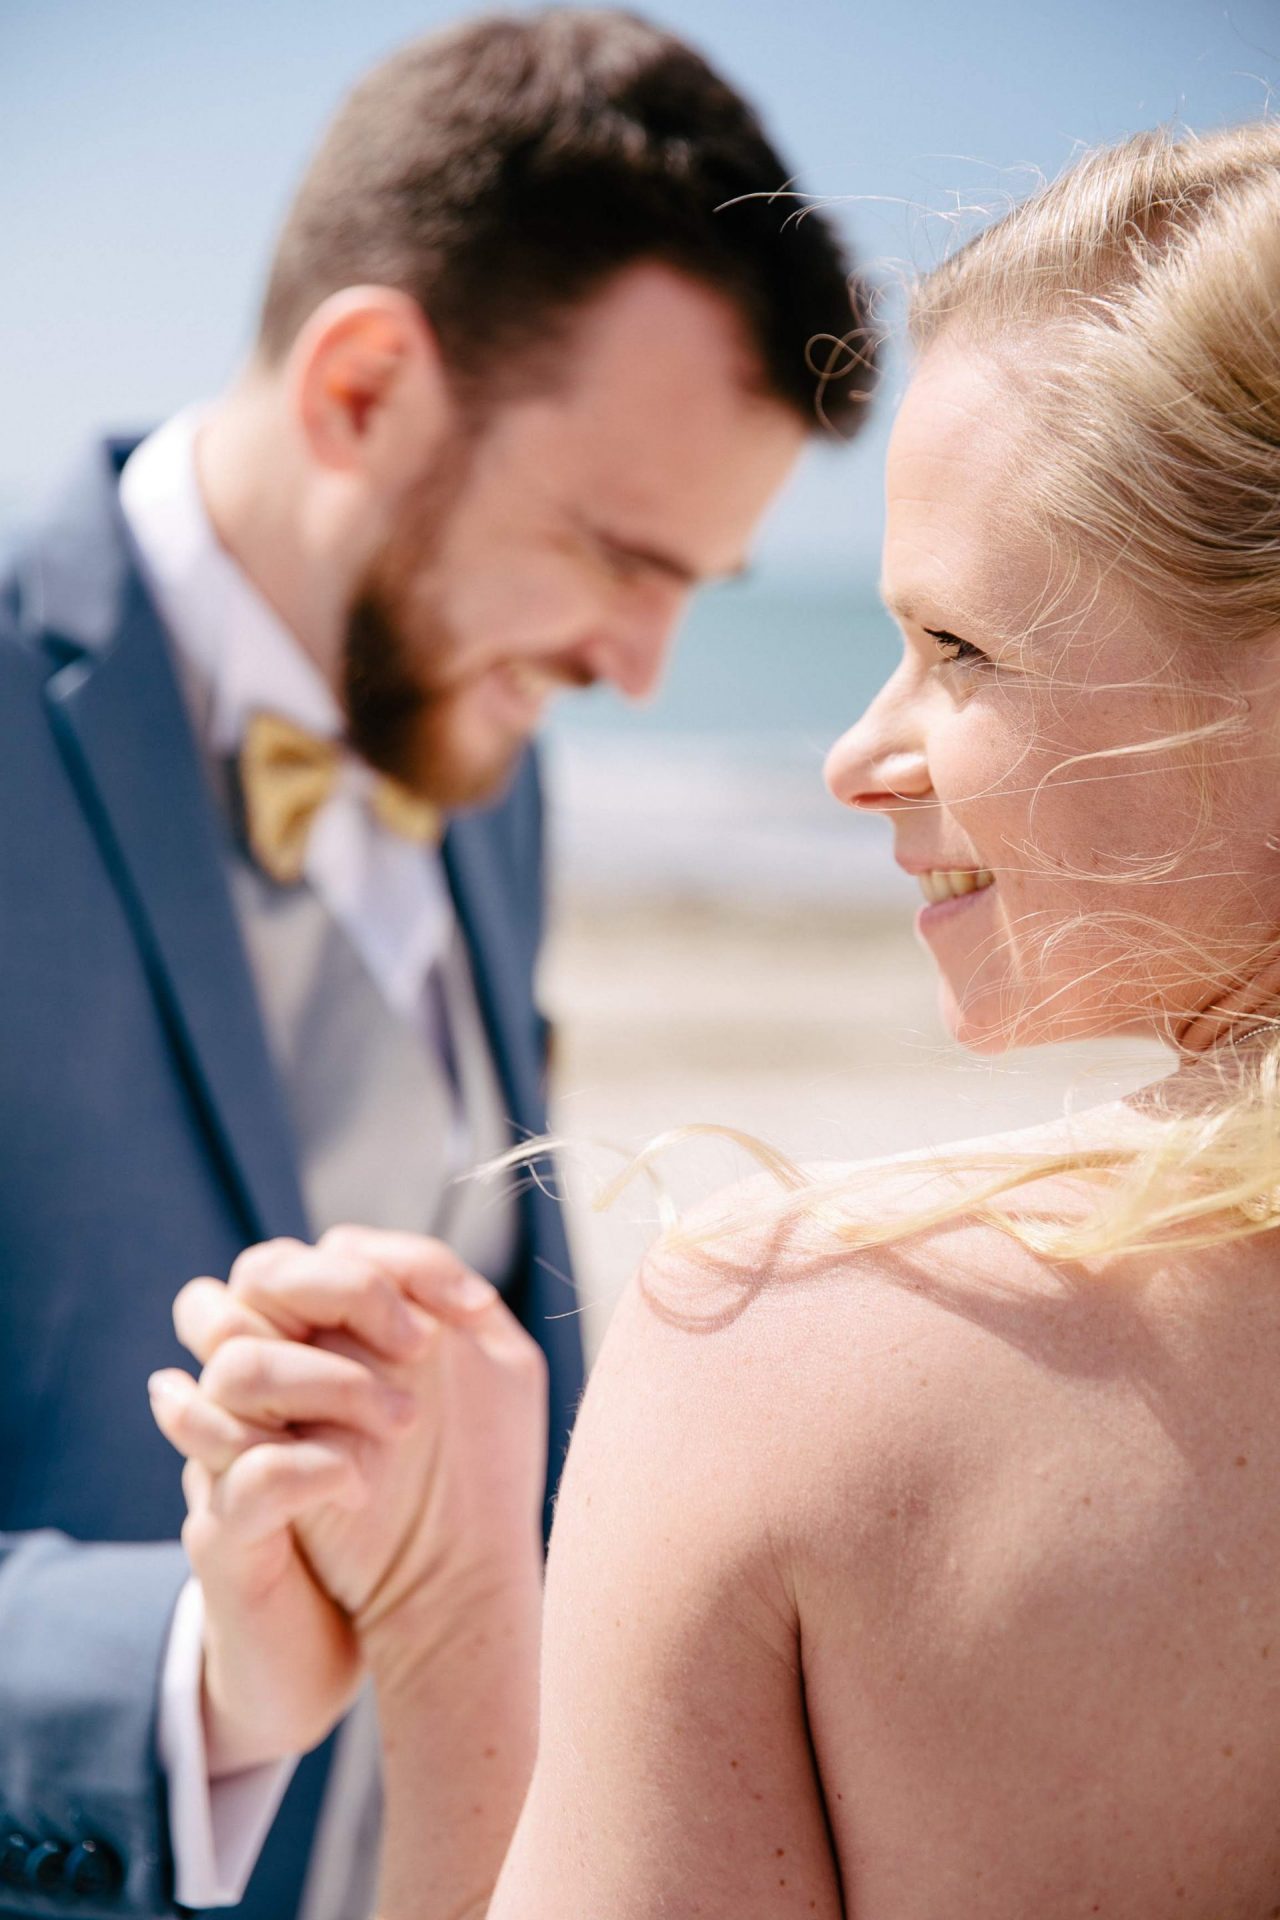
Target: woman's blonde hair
<point x="1149" y="276"/>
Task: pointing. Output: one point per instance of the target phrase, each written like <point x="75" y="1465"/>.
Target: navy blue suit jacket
<point x="143" y="1139"/>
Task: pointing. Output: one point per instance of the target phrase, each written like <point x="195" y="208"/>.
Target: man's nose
<point x="881" y="763"/>
<point x="632" y="655"/>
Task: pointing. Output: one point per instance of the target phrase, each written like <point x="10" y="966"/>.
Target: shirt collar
<point x="238" y="653"/>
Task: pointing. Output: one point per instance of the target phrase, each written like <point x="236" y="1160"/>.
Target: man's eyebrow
<point x="640" y="553"/>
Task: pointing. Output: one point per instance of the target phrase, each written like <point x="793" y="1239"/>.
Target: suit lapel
<point x="122" y="723"/>
<point x="482" y="880"/>
<point x="478" y="884"/>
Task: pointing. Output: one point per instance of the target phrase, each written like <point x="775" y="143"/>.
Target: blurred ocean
<point x="713" y="793"/>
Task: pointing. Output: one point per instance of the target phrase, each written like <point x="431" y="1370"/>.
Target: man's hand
<point x="366" y="1452"/>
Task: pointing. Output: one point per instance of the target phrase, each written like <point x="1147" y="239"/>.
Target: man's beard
<point x="404" y="725"/>
<point x="405" y="714"/>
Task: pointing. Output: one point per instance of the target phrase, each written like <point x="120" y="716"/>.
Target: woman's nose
<point x="880" y="762"/>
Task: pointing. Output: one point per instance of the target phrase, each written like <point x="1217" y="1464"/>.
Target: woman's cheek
<point x="979" y="774"/>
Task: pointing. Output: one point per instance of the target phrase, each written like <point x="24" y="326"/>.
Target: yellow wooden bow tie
<point x="287" y="774"/>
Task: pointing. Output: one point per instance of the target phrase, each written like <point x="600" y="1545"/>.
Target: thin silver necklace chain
<point x="1234" y="1039"/>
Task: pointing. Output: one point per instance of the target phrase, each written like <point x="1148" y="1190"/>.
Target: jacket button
<point x="14" y="1848"/>
<point x="44" y="1866"/>
<point x="94" y="1868"/>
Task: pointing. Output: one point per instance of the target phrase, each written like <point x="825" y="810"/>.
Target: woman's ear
<point x="368" y="387"/>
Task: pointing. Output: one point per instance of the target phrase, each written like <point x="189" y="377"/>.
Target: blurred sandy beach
<point x="812" y="1028"/>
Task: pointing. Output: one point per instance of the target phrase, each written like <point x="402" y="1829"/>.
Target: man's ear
<point x="368" y="387"/>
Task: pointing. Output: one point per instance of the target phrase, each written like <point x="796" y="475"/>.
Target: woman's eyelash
<point x="959" y="649"/>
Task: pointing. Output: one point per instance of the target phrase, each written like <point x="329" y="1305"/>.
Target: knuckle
<point x="429" y="1255"/>
<point x="241" y="1366"/>
<point x="344" y="1239"/>
<point x="254" y="1484"/>
<point x="258" y="1471"/>
<point x="257" y="1264"/>
<point x="300" y="1267"/>
<point x="349" y="1271"/>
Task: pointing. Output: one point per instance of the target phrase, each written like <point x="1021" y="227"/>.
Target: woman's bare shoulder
<point x="759" y="1321"/>
<point x="940" y="1362"/>
<point x="761" y="1266"/>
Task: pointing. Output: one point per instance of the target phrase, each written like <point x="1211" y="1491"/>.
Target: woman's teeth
<point x="942" y="883"/>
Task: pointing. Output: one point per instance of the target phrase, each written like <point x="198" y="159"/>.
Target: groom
<point x="533" y="358"/>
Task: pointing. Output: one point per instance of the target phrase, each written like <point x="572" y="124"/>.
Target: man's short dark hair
<point x="503" y="171"/>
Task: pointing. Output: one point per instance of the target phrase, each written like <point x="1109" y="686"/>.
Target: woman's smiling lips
<point x="948" y="890"/>
<point x="948" y="883"/>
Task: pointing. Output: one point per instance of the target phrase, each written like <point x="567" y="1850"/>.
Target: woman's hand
<point x="366" y="1458"/>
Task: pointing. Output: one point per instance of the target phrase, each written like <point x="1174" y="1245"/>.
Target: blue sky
<point x="147" y="148"/>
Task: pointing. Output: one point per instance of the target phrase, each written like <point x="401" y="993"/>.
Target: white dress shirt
<point x="236" y="658"/>
<point x="240" y="659"/>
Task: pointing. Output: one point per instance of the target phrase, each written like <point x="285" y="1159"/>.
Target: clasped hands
<point x="366" y="1453"/>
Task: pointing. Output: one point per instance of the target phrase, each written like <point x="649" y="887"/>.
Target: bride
<point x="918" y="1551"/>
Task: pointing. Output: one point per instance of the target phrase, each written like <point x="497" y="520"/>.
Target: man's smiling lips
<point x="522" y="688"/>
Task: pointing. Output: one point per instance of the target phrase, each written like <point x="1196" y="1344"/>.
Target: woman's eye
<point x="952" y="648"/>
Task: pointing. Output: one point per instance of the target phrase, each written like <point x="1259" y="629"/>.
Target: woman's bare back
<point x="949" y="1580"/>
<point x="1040" y="1664"/>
